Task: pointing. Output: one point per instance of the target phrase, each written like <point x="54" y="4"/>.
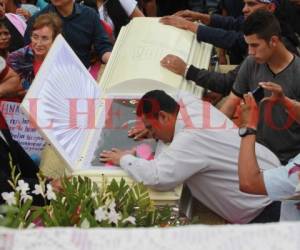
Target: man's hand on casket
<point x="194" y="16"/>
<point x="179" y="22"/>
<point x="139" y="133"/>
<point x="114" y="155"/>
<point x="174" y="64"/>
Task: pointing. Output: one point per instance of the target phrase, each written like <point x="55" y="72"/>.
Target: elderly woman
<point x="27" y="61"/>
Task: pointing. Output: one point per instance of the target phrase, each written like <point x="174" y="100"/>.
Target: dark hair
<point x="90" y="3"/>
<point x="154" y="101"/>
<point x="4" y="51"/>
<point x="263" y="24"/>
<point x="50" y="20"/>
<point x="3" y="24"/>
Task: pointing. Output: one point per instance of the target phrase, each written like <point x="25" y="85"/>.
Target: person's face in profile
<point x="161" y="128"/>
<point x="251" y="6"/>
<point x="260" y="49"/>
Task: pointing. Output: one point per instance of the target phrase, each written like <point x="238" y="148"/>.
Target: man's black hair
<point x="154" y="101"/>
<point x="263" y="24"/>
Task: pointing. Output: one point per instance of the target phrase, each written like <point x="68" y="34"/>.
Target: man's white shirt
<point x="204" y="155"/>
<point x="281" y="184"/>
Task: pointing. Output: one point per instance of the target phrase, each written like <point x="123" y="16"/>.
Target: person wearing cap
<point x="224" y="31"/>
<point x="232" y="39"/>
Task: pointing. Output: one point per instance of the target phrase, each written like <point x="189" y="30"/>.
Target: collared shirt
<point x="82" y="30"/>
<point x="203" y="154"/>
<point x="281" y="184"/>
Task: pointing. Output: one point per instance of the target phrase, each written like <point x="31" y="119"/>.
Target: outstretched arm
<point x="250" y="177"/>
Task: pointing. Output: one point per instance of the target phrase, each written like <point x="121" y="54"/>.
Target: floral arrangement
<point x="81" y="203"/>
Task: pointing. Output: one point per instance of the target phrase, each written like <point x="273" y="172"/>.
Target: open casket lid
<point x="134" y="66"/>
<point x="62" y="87"/>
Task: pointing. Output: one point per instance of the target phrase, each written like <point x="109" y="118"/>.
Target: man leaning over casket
<point x="199" y="146"/>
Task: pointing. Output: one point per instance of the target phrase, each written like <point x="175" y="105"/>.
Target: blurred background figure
<point x="115" y="14"/>
<point x="24" y="8"/>
<point x="5" y="39"/>
<point x="15" y="24"/>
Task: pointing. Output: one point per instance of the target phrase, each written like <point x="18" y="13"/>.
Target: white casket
<point x="73" y="113"/>
<point x="134" y="67"/>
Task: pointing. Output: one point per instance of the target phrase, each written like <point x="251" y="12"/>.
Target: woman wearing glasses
<point x="27" y="60"/>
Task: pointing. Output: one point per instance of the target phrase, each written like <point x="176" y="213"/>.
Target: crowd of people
<point x="244" y="175"/>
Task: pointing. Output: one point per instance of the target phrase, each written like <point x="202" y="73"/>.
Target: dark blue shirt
<point x="225" y="32"/>
<point x="82" y="30"/>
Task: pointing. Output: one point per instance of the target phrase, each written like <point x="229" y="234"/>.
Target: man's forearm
<point x="10" y="85"/>
<point x="250" y="177"/>
<point x="293" y="108"/>
<point x="214" y="81"/>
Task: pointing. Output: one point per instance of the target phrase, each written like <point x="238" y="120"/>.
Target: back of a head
<point x="263" y="24"/>
<point x="3" y="24"/>
<point x="155" y="101"/>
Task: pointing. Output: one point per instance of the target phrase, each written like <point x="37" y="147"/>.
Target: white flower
<point x="100" y="214"/>
<point x="38" y="190"/>
<point x="9" y="198"/>
<point x="129" y="219"/>
<point x="93" y="195"/>
<point x="50" y="194"/>
<point x="23" y="187"/>
<point x="85" y="224"/>
<point x="113" y="216"/>
<point x="112" y="205"/>
<point x="25" y="197"/>
<point x="31" y="226"/>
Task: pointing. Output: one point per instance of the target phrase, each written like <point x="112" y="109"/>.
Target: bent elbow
<point x="246" y="187"/>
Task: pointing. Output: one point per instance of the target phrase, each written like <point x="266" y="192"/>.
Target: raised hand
<point x="249" y="112"/>
<point x="277" y="92"/>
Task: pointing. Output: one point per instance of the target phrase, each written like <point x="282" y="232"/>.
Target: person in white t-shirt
<point x="278" y="183"/>
<point x="199" y="146"/>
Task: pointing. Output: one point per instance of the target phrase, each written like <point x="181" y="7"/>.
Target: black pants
<point x="271" y="213"/>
